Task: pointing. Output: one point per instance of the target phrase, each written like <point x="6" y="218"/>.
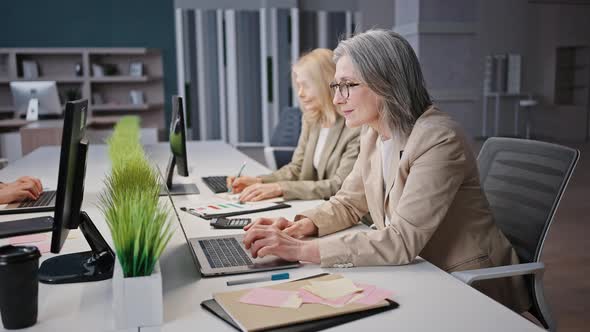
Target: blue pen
<point x="237" y="176"/>
<point x="278" y="276"/>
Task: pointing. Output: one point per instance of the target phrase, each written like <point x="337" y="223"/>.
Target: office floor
<point x="567" y="252"/>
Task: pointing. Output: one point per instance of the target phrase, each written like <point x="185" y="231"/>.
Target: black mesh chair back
<point x="288" y="129"/>
<point x="285" y="136"/>
<point x="523" y="181"/>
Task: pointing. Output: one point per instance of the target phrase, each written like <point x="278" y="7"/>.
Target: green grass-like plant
<point x="140" y="226"/>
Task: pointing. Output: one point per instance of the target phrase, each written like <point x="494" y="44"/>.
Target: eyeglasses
<point x="343" y="88"/>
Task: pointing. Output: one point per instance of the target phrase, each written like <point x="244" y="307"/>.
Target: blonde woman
<point x="326" y="150"/>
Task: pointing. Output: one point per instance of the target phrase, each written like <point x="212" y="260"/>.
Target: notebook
<point x="310" y="326"/>
<point x="259" y="318"/>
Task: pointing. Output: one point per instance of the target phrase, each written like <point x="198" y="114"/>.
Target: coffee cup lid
<point x="11" y="254"/>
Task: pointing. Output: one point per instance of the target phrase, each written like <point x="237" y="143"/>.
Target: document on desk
<point x="236" y="198"/>
<point x="248" y="316"/>
<point x="223" y="208"/>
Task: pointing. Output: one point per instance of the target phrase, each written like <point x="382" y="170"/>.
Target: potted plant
<point x="140" y="228"/>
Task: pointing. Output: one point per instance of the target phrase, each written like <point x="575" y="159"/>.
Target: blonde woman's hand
<point x="260" y="191"/>
<point x="237" y="185"/>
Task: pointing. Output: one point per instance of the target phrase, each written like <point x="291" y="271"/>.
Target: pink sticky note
<point x="374" y="297"/>
<point x="309" y="297"/>
<point x="44" y="247"/>
<point x="27" y="238"/>
<point x="267" y="297"/>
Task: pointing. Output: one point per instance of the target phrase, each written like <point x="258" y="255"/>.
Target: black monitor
<point x="178" y="156"/>
<point x="98" y="263"/>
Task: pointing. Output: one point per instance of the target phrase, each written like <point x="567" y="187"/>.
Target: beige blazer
<point x="435" y="205"/>
<point x="300" y="180"/>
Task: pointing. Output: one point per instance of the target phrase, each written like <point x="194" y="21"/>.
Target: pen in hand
<point x="229" y="189"/>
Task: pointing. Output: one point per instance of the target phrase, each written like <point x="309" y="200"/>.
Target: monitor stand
<point x="33" y="110"/>
<point x="175" y="189"/>
<point x="93" y="265"/>
<point x="180" y="189"/>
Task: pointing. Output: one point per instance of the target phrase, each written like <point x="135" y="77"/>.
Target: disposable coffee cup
<point x="19" y="286"/>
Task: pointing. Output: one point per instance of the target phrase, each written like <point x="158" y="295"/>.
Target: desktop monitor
<point x="178" y="156"/>
<point x="98" y="263"/>
<point x="36" y="99"/>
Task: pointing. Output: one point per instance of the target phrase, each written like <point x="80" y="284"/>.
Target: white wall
<point x="377" y="13"/>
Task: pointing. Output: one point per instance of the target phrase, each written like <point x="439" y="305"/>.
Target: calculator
<point x="230" y="223"/>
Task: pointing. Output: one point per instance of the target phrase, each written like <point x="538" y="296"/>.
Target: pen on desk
<point x="278" y="276"/>
<point x="237" y="176"/>
<point x="190" y="211"/>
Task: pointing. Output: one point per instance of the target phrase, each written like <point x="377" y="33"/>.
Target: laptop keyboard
<point x="217" y="184"/>
<point x="224" y="252"/>
<point x="45" y="199"/>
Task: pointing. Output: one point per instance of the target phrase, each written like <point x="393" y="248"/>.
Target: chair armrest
<point x="280" y="148"/>
<point x="471" y="276"/>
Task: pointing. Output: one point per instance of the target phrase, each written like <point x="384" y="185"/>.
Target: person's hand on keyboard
<point x="267" y="236"/>
<point x="237" y="185"/>
<point x="23" y="188"/>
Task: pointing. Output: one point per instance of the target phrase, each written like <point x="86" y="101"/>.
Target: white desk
<point x="430" y="299"/>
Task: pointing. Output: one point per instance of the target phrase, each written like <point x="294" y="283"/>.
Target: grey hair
<point x="388" y="65"/>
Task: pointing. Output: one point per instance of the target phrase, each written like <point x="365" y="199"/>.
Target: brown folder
<point x="256" y="318"/>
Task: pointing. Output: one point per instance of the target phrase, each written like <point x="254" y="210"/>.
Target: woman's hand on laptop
<point x="302" y="228"/>
<point x="264" y="239"/>
<point x="31" y="180"/>
<point x="18" y="191"/>
<point x="280" y="223"/>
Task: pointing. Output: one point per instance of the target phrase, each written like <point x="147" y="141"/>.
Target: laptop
<point x="45" y="202"/>
<point x="226" y="254"/>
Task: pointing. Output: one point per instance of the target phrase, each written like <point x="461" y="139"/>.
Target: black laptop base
<point x="26" y="226"/>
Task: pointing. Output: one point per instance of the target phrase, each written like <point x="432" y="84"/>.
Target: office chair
<point x="523" y="181"/>
<point x="284" y="138"/>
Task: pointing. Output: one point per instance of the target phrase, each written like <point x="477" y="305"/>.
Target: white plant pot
<point x="137" y="302"/>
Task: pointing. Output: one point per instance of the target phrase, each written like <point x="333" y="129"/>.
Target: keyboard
<point x="45" y="199"/>
<point x="225" y="252"/>
<point x="217" y="184"/>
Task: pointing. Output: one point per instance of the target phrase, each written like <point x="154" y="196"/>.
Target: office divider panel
<point x="234" y="60"/>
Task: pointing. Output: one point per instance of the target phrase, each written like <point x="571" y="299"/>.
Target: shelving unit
<point x="60" y="65"/>
<point x="572" y="76"/>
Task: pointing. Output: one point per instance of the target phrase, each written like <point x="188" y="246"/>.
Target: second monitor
<point x="178" y="156"/>
<point x="36" y="99"/>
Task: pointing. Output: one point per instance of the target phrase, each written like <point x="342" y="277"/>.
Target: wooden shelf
<point x="123" y="79"/>
<point x="59" y="65"/>
<point x="79" y="50"/>
<point x="57" y="79"/>
<point x="126" y="107"/>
